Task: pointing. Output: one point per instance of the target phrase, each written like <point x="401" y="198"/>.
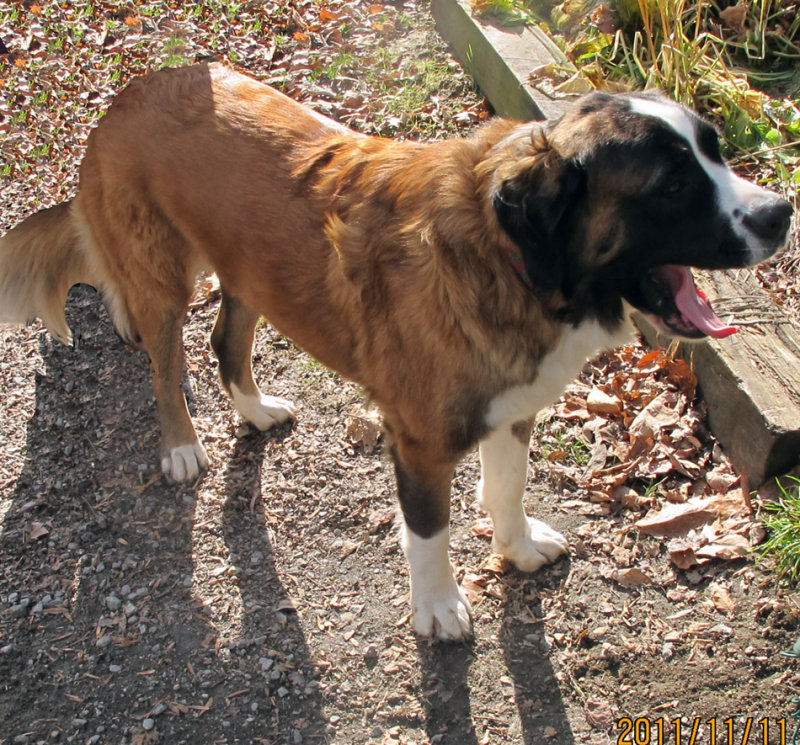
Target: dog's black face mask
<point x="631" y="193"/>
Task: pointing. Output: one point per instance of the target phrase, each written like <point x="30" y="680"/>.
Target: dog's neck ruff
<point x="514" y="256"/>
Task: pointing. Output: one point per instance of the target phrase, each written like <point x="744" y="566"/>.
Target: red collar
<point x="514" y="256"/>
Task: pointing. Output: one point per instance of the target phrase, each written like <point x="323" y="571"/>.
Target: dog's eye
<point x="675" y="186"/>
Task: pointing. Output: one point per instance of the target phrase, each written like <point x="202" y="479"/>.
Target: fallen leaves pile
<point x="647" y="456"/>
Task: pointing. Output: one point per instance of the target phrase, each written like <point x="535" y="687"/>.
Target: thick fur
<point x="390" y="262"/>
<point x="40" y="260"/>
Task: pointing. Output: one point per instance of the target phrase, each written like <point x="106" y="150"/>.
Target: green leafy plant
<point x="782" y="520"/>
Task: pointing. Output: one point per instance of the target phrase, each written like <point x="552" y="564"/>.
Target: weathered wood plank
<point x="500" y="60"/>
<point x="751" y="380"/>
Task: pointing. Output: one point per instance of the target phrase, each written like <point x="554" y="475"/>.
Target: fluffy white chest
<point x="557" y="369"/>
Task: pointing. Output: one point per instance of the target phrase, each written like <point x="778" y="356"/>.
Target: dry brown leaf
<point x="380" y="518"/>
<point x="600" y="714"/>
<point x="363" y="427"/>
<point x="722" y="478"/>
<point x="728" y="547"/>
<point x="586" y="508"/>
<point x="682" y="554"/>
<point x="604" y="20"/>
<point x="633" y="577"/>
<point x="675" y="519"/>
<point x="483" y="528"/>
<point x="721" y="598"/>
<point x="732" y="504"/>
<point x="661" y="413"/>
<point x="496" y="564"/>
<point x="597" y="462"/>
<point x="734" y="17"/>
<point x="681" y="374"/>
<point x="38" y="530"/>
<point x="573" y="407"/>
<point x="599" y="402"/>
<point x="207" y="290"/>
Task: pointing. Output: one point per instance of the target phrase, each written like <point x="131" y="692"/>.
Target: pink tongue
<point x="692" y="303"/>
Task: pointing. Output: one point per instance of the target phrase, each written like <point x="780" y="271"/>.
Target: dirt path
<point x="267" y="602"/>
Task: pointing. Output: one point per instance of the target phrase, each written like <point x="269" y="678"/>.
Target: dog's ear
<point x="531" y="207"/>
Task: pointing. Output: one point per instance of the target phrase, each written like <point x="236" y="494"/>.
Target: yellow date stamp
<point x="730" y="731"/>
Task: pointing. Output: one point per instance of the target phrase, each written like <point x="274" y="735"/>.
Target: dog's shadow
<point x="100" y="565"/>
<point x="457" y="708"/>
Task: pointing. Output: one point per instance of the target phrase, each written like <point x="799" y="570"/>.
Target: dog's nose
<point x="769" y="219"/>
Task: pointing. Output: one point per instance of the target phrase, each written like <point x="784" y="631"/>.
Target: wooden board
<point x="751" y="380"/>
<point x="500" y="59"/>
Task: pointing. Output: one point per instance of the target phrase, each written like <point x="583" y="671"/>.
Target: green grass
<point x="562" y="446"/>
<point x="782" y="521"/>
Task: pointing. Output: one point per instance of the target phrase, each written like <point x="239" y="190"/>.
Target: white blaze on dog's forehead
<point x="734" y="193"/>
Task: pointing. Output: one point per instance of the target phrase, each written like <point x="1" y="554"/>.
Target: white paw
<point x="445" y="614"/>
<point x="260" y="410"/>
<point x="184" y="463"/>
<point x="536" y="546"/>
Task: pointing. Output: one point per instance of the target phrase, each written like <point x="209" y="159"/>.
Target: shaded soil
<point x="267" y="603"/>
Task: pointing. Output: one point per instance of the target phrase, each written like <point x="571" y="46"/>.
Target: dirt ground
<point x="267" y="602"/>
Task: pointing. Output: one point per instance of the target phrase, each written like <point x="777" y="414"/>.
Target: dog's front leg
<point x="528" y="542"/>
<point x="438" y="605"/>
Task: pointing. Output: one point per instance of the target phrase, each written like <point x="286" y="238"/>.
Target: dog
<point x="462" y="283"/>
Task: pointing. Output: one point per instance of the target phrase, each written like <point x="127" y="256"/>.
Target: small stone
<point x="283" y="691"/>
<point x="103" y="641"/>
<point x="113" y="603"/>
<point x="266" y="663"/>
<point x="19" y="610"/>
<point x="78" y="722"/>
<point x="129" y="609"/>
<point x="114" y="668"/>
<point x="148" y="724"/>
<point x="159" y="709"/>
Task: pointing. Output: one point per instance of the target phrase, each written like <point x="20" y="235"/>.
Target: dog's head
<point x="614" y="202"/>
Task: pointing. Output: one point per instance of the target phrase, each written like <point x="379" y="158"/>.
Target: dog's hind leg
<point x="232" y="340"/>
<point x="182" y="455"/>
<point x="439" y="607"/>
<point x="528" y="542"/>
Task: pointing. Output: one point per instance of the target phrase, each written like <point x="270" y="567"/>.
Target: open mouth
<point x="679" y="306"/>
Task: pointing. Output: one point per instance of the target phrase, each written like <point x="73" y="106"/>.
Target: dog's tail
<point x="40" y="260"/>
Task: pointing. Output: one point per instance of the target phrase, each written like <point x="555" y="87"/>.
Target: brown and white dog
<point x="462" y="283"/>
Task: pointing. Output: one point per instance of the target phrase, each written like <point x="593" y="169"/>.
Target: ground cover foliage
<point x="267" y="603"/>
